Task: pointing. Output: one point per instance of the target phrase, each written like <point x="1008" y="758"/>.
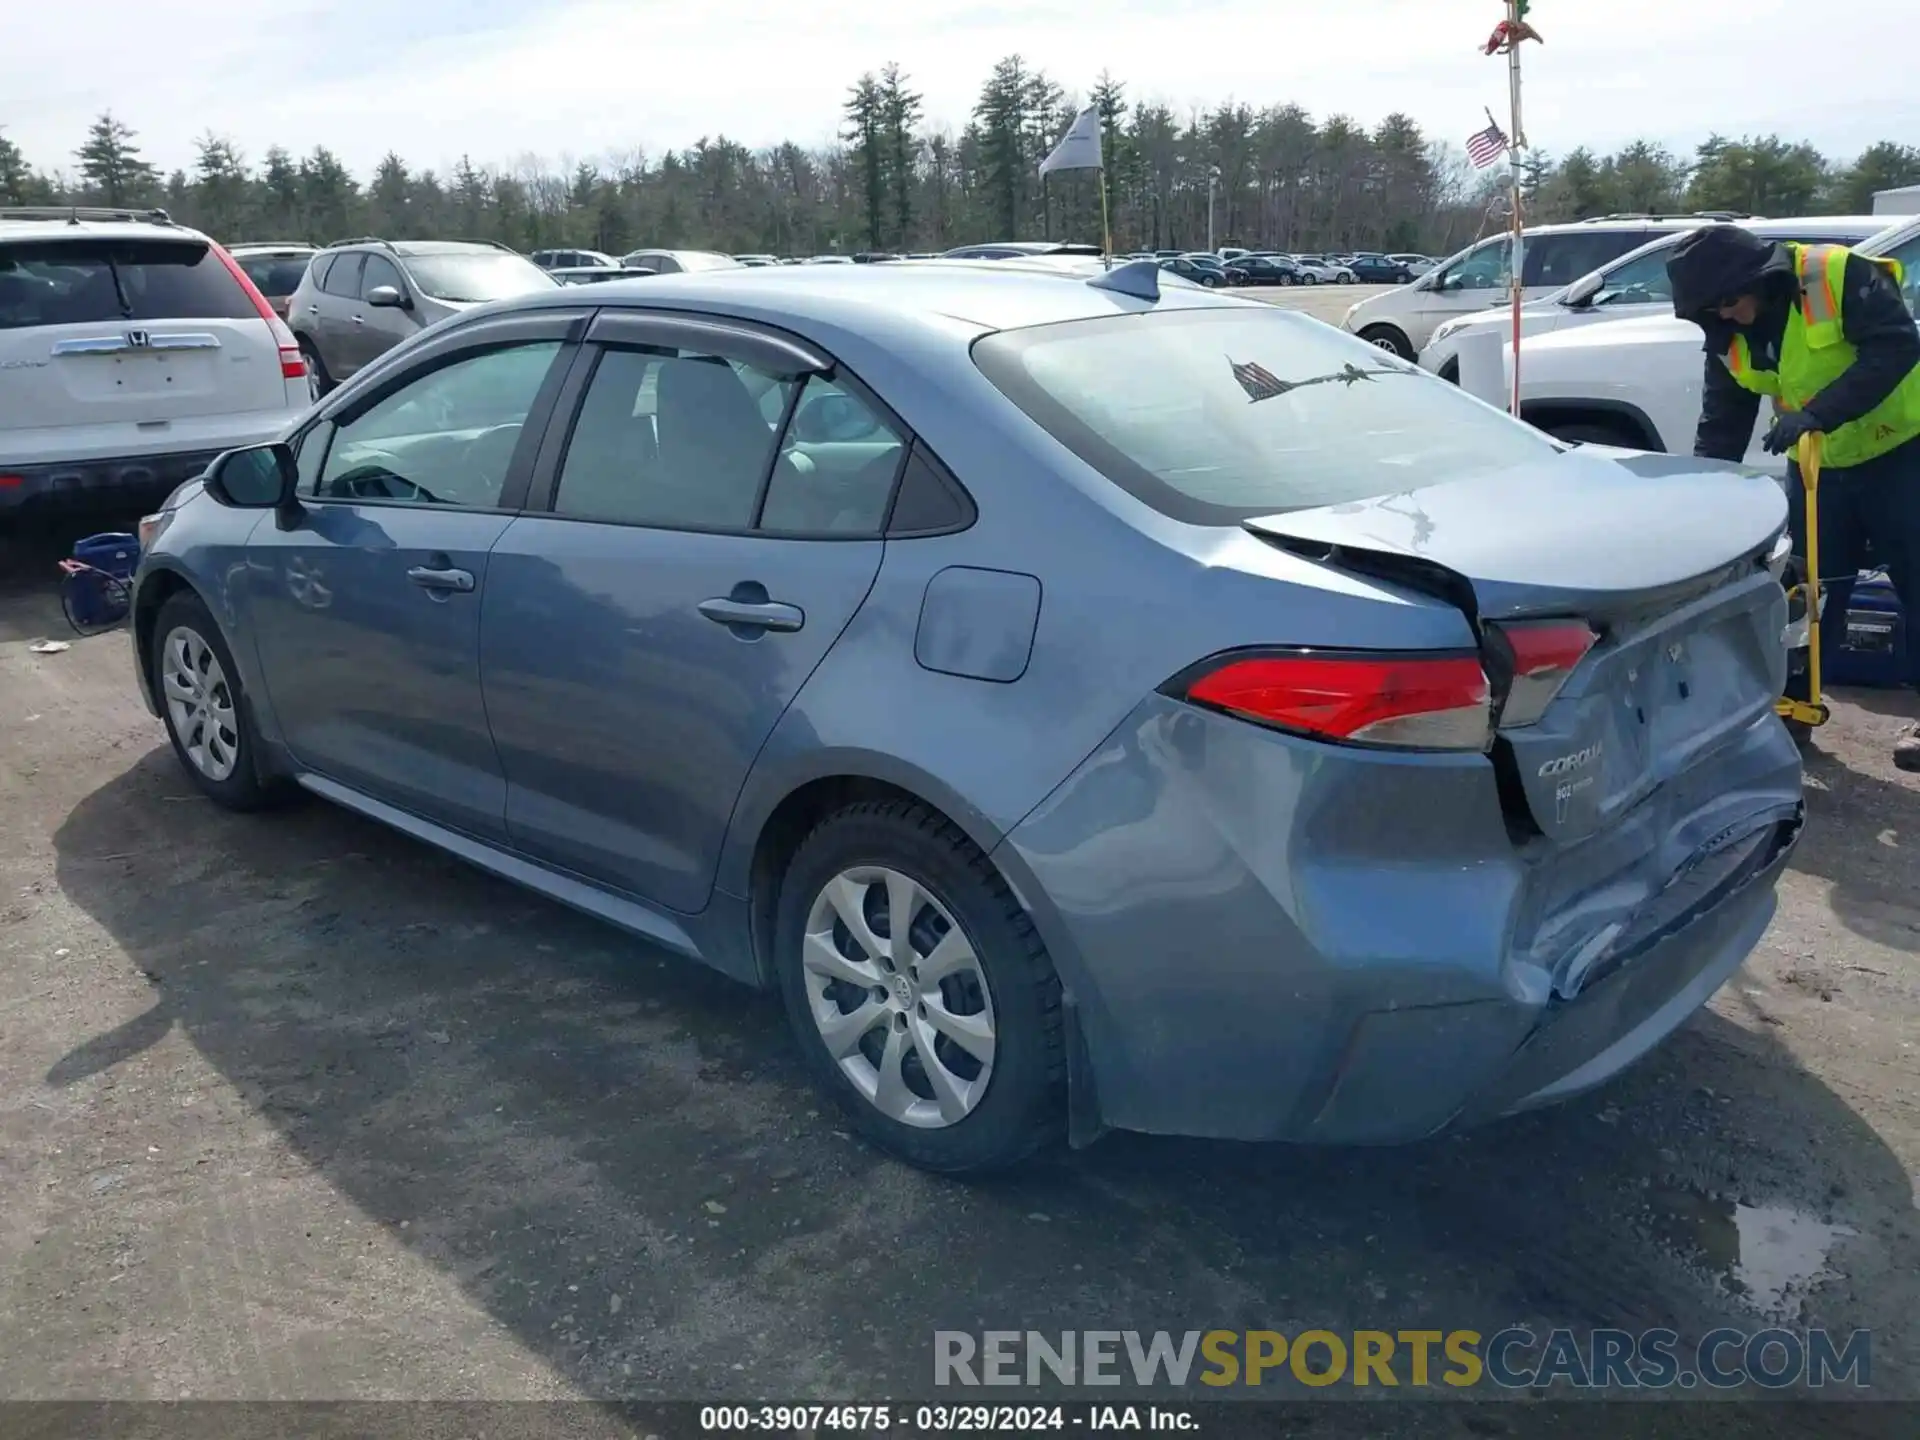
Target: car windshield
<point x="1215" y="416"/>
<point x="274" y="274"/>
<point x="476" y="277"/>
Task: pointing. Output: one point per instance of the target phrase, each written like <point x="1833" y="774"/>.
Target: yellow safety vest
<point x="1814" y="352"/>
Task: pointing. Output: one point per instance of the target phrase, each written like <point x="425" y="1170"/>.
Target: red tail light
<point x="12" y="482"/>
<point x="1545" y="654"/>
<point x="1413" y="702"/>
<point x="293" y="365"/>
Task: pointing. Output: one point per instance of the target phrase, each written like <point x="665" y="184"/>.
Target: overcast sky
<point x="500" y="79"/>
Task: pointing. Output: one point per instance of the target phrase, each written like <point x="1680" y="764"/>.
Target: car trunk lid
<point x="1663" y="558"/>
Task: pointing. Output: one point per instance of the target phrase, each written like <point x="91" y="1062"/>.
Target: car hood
<point x="1611" y="334"/>
<point x="1578" y="532"/>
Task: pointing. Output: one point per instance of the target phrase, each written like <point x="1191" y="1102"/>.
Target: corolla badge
<point x="1567" y="764"/>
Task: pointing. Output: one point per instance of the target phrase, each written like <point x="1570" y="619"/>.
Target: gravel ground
<point x="294" y="1108"/>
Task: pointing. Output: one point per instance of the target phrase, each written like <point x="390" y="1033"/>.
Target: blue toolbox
<point x="1875" y="652"/>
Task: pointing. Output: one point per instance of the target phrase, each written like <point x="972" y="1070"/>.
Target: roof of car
<point x="987" y="294"/>
<point x="91" y="226"/>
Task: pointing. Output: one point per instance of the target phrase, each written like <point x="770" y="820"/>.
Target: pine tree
<point x="17" y="183"/>
<point x="1003" y="117"/>
<point x="221" y="186"/>
<point x="111" y="163"/>
<point x="865" y="111"/>
<point x="900" y="110"/>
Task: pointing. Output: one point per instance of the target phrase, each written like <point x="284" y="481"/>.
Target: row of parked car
<point x="1602" y="358"/>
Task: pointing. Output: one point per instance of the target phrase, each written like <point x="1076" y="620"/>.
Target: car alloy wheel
<point x="899" y="997"/>
<point x="200" y="704"/>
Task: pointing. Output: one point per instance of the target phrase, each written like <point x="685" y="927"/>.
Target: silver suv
<point x="360" y="298"/>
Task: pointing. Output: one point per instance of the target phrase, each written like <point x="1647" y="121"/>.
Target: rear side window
<point x="1561" y="259"/>
<point x="275" y="275"/>
<point x="1908" y="255"/>
<point x="344" y="278"/>
<point x="1216" y="416"/>
<point x="83" y="282"/>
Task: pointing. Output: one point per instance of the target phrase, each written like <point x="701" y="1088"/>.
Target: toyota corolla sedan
<point x="1089" y="704"/>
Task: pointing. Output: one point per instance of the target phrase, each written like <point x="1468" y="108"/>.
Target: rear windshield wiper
<point x="119" y="290"/>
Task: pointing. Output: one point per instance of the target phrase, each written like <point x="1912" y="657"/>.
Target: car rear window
<point x="1215" y="416"/>
<point x="274" y="274"/>
<point x="475" y="278"/>
<point x="81" y="282"/>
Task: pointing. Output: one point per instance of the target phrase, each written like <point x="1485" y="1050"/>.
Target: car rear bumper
<point x="92" y="484"/>
<point x="1267" y="940"/>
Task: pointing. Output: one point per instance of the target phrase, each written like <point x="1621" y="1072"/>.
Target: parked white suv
<point x="1636" y="383"/>
<point x="1633" y="285"/>
<point x="132" y="351"/>
<point x="1472" y="282"/>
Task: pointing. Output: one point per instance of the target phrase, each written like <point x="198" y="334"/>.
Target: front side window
<point x="672" y="438"/>
<point x="476" y="277"/>
<point x="381" y="271"/>
<point x="1640" y="281"/>
<point x="1481" y="269"/>
<point x="446" y="438"/>
<point x="1217" y="416"/>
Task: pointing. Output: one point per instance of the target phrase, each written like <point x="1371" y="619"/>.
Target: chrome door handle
<point x="429" y="578"/>
<point x="359" y="319"/>
<point x="754" y="615"/>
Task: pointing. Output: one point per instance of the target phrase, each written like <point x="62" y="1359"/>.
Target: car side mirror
<point x="1580" y="294"/>
<point x="260" y="477"/>
<point x="387" y="297"/>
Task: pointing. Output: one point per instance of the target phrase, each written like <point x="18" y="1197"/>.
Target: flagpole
<point x="1106" y="229"/>
<point x="1516" y="143"/>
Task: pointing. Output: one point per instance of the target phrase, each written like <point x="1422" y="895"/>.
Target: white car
<point x="132" y="351"/>
<point x="1636" y="383"/>
<point x="1475" y="280"/>
<point x="1318" y="270"/>
<point x="1417" y="265"/>
<point x="1632" y="286"/>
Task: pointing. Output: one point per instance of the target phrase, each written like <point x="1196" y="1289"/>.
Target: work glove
<point x="1785" y="432"/>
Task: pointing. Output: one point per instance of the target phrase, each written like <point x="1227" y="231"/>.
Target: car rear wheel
<point x="1308" y="278"/>
<point x="204" y="707"/>
<point x="318" y="381"/>
<point x="1387" y="338"/>
<point x="920" y="993"/>
<point x="1209" y="282"/>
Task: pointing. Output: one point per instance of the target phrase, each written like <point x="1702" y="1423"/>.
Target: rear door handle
<point x="428" y="578"/>
<point x="359" y="319"/>
<point x="754" y="615"/>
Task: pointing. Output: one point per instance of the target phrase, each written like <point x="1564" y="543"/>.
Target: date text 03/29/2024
<point x="942" y="1419"/>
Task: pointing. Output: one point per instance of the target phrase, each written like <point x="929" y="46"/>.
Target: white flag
<point x="1079" y="148"/>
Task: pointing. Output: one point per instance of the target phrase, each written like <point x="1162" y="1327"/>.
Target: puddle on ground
<point x="1770" y="1255"/>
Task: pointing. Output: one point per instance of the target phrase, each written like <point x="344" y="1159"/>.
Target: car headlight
<point x="1445" y="330"/>
<point x="1352" y="310"/>
<point x="1778" y="556"/>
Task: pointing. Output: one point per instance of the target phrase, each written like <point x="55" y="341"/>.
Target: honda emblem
<point x="139" y="340"/>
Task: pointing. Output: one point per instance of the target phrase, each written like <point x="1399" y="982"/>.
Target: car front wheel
<point x="204" y="706"/>
<point x="920" y="993"/>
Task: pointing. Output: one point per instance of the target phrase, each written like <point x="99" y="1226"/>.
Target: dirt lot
<point x="291" y="1107"/>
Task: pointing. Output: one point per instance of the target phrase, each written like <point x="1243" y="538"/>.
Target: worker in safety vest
<point x="1828" y="335"/>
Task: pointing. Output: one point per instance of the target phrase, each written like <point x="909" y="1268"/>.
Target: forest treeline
<point x="1272" y="177"/>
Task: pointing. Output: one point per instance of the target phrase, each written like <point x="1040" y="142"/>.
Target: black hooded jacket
<point x="1723" y="262"/>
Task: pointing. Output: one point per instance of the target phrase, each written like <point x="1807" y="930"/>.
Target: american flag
<point x="1259" y="382"/>
<point x="1486" y="146"/>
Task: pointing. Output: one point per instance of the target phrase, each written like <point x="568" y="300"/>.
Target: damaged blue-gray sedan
<point x="1089" y="700"/>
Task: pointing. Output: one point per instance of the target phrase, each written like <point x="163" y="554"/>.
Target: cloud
<point x="500" y="79"/>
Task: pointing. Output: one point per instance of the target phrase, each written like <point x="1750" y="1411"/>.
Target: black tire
<point x="1308" y="278"/>
<point x="1343" y="278"/>
<point x="316" y="367"/>
<point x="1209" y="282"/>
<point x="1590" y="432"/>
<point x="1286" y="280"/>
<point x="1388" y="337"/>
<point x="243" y="789"/>
<point x="1024" y="1105"/>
